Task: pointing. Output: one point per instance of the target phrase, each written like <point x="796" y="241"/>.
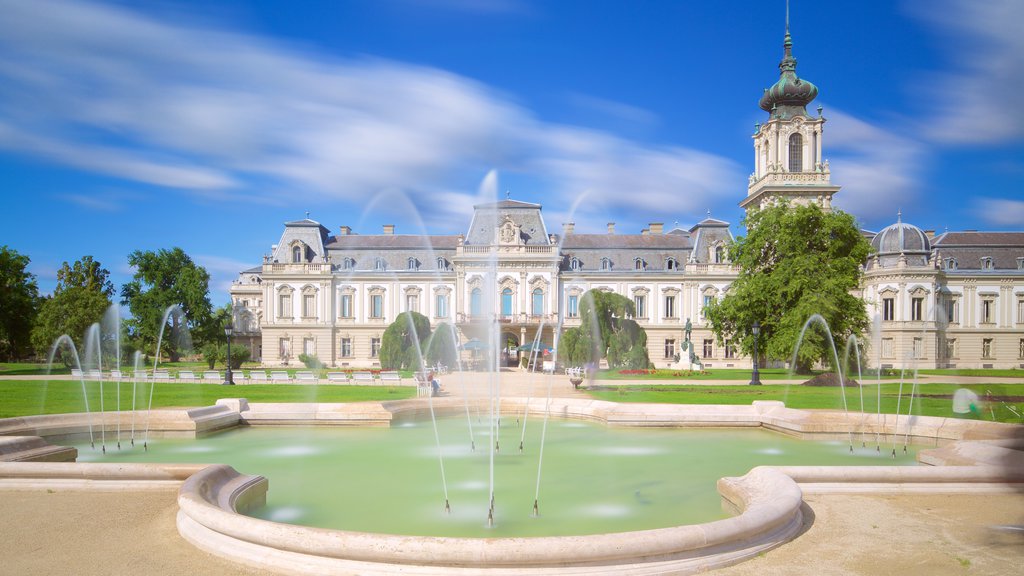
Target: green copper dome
<point x="789" y="96"/>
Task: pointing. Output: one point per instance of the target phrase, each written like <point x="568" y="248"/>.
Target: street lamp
<point x="755" y="377"/>
<point x="228" y="331"/>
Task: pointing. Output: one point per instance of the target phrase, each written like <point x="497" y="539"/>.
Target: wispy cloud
<point x="1000" y="212"/>
<point x="978" y="101"/>
<point x="222" y="271"/>
<point x="879" y="169"/>
<point x="113" y="91"/>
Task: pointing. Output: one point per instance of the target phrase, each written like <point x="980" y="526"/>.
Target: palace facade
<point x="950" y="300"/>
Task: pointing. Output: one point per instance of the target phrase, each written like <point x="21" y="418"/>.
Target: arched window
<point x="412" y="264"/>
<point x="671" y="264"/>
<point x="538" y="302"/>
<point x="348" y="264"/>
<point x="719" y="254"/>
<point x="506" y="302"/>
<point x="441" y="264"/>
<point x="379" y="264"/>
<point x="638" y="264"/>
<point x="606" y="264"/>
<point x="796" y="153"/>
<point x="574" y="264"/>
<point x="296" y="254"/>
<point x="474" y="302"/>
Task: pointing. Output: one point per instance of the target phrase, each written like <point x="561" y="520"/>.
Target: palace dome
<point x="789" y="96"/>
<point x="901" y="240"/>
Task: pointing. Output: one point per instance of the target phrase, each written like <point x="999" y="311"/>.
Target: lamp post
<point x="755" y="377"/>
<point x="228" y="331"/>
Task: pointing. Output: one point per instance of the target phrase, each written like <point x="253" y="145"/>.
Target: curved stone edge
<point x="771" y="515"/>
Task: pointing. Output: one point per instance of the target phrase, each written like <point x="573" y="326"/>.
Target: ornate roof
<point x="789" y="96"/>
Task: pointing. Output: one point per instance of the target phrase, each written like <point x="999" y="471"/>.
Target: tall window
<point x="412" y="264"/>
<point x="538" y="302"/>
<point x="1020" y="311"/>
<point x="506" y="302"/>
<point x="346" y="347"/>
<point x="719" y="254"/>
<point x="574" y="306"/>
<point x="374" y="347"/>
<point x="953" y="311"/>
<point x="986" y="263"/>
<point x="348" y="264"/>
<point x="888" y="309"/>
<point x="916" y="308"/>
<point x="796" y="153"/>
<point x="379" y="264"/>
<point x="670" y="348"/>
<point x="441" y="305"/>
<point x="574" y="264"/>
<point x="285" y="348"/>
<point x="308" y="305"/>
<point x="918" y="348"/>
<point x="474" y="302"/>
<point x="346" y="305"/>
<point x="284" y="306"/>
<point x="296" y="254"/>
<point x="887" y="348"/>
<point x="987" y="308"/>
<point x="638" y="264"/>
<point x="640" y="302"/>
<point x="951" y="351"/>
<point x="671" y="264"/>
<point x="441" y="264"/>
<point x="986" y="348"/>
<point x="708" y="298"/>
<point x="308" y="347"/>
<point x="412" y="303"/>
<point x="376" y="306"/>
<point x="730" y="350"/>
<point x="1020" y="348"/>
<point x="709" y="348"/>
<point x="670" y="306"/>
<point x="606" y="264"/>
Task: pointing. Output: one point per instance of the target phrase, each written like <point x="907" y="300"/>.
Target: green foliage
<point x="441" y="347"/>
<point x="605" y="330"/>
<point x="796" y="261"/>
<point x="80" y="298"/>
<point x="216" y="354"/>
<point x="310" y="361"/>
<point x="162" y="279"/>
<point x="19" y="303"/>
<point x="401" y="342"/>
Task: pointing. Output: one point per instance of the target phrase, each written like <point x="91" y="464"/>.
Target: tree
<point x="606" y="329"/>
<point x="401" y="343"/>
<point x="441" y="347"/>
<point x="795" y="261"/>
<point x="162" y="279"/>
<point x="19" y="300"/>
<point x="82" y="295"/>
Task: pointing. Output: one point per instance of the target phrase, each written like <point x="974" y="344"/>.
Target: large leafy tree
<point x="606" y="329"/>
<point x="19" y="297"/>
<point x="403" y="340"/>
<point x="162" y="279"/>
<point x="796" y="261"/>
<point x="83" y="293"/>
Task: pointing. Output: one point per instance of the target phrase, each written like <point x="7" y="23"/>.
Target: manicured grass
<point x="24" y="398"/>
<point x="931" y="399"/>
<point x="978" y="372"/>
<point x="29" y="369"/>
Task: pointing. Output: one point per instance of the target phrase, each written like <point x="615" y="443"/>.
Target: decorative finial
<point x="787" y="16"/>
<point x="676" y="225"/>
<point x="307" y="214"/>
<point x="508" y="194"/>
<point x="820" y="108"/>
<point x="709" y="213"/>
<point x="899" y="216"/>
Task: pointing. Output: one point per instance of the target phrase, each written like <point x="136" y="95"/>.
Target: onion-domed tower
<point x="787" y="148"/>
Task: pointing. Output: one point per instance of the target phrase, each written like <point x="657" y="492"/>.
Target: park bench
<point x="161" y="375"/>
<point x="212" y="376"/>
<point x="76" y="373"/>
<point x="391" y="378"/>
<point x="280" y="377"/>
<point x="116" y="375"/>
<point x="362" y="378"/>
<point x="337" y="378"/>
<point x="187" y="375"/>
<point x="257" y="376"/>
<point x="94" y="374"/>
<point x="306" y="377"/>
<point x="423" y="385"/>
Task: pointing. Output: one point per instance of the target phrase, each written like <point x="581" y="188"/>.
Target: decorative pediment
<point x="670" y="291"/>
<point x="888" y="291"/>
<point x="412" y="290"/>
<point x="539" y="282"/>
<point x="640" y="291"/>
<point x="509" y="232"/>
<point x="475" y="281"/>
<point x="919" y="291"/>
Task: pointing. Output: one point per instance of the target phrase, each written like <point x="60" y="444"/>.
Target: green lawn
<point x="39" y="369"/>
<point x="931" y="400"/>
<point x="23" y="398"/>
<point x="992" y="373"/>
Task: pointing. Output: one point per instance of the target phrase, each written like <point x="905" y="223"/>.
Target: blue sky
<point x="205" y="125"/>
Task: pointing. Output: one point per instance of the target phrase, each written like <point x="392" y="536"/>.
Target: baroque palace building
<point x="950" y="300"/>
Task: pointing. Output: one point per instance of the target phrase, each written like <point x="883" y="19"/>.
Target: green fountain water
<point x="596" y="479"/>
